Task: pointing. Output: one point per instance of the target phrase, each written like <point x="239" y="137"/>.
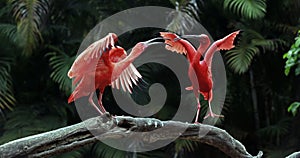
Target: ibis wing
<point x="226" y="43"/>
<point x="127" y="78"/>
<point x="172" y="44"/>
<point x="90" y="56"/>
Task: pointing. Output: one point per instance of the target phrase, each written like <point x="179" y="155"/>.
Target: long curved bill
<point x="151" y="41"/>
<point x="191" y="36"/>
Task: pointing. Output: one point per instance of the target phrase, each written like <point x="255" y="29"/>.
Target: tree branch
<point x="294" y="155"/>
<point x="72" y="137"/>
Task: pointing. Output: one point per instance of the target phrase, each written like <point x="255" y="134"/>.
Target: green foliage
<point x="293" y="108"/>
<point x="277" y="153"/>
<point x="184" y="17"/>
<point x="185" y="144"/>
<point x="250" y="9"/>
<point x="275" y="131"/>
<point x="60" y="62"/>
<point x="38" y="118"/>
<point x="103" y="150"/>
<point x="251" y="44"/>
<point x="6" y="94"/>
<point x="72" y="154"/>
<point x="293" y="57"/>
<point x="33" y="27"/>
<point x="9" y="31"/>
<point x="29" y="15"/>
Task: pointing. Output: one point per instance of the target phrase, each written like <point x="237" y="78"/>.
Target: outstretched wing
<point x="128" y="76"/>
<point x="90" y="56"/>
<point x="226" y="43"/>
<point x="172" y="44"/>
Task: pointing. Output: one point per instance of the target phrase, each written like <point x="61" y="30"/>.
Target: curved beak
<point x="191" y="36"/>
<point x="154" y="41"/>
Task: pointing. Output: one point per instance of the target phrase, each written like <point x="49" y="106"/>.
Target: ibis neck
<point x="191" y="51"/>
<point x="123" y="64"/>
<point x="200" y="51"/>
<point x="210" y="53"/>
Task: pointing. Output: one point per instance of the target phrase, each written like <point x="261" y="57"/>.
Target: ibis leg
<point x="198" y="110"/>
<point x="210" y="113"/>
<point x="100" y="102"/>
<point x="93" y="104"/>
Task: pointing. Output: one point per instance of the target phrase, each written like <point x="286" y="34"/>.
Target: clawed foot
<point x="213" y="115"/>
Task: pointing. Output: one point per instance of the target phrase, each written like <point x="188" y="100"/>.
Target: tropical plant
<point x="251" y="44"/>
<point x="293" y="108"/>
<point x="6" y="90"/>
<point x="60" y="62"/>
<point x="15" y="127"/>
<point x="250" y="9"/>
<point x="30" y="15"/>
<point x="49" y="34"/>
<point x="184" y="17"/>
<point x="273" y="133"/>
<point x="293" y="57"/>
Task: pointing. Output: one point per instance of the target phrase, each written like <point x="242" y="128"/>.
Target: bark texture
<point x="105" y="127"/>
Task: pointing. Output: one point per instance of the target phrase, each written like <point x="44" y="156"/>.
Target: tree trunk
<point x="254" y="100"/>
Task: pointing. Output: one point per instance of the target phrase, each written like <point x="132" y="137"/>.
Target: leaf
<point x="250" y="9"/>
<point x="33" y="119"/>
<point x="184" y="17"/>
<point x="250" y="45"/>
<point x="293" y="108"/>
<point x="293" y="58"/>
<point x="7" y="99"/>
<point x="9" y="31"/>
<point x="185" y="144"/>
<point x="60" y="63"/>
<point x="273" y="132"/>
<point x="29" y="15"/>
<point x="103" y="150"/>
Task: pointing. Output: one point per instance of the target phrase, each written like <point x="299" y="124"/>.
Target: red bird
<point x="103" y="64"/>
<point x="199" y="71"/>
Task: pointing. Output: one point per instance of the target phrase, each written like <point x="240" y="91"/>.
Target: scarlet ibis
<point x="199" y="71"/>
<point x="103" y="64"/>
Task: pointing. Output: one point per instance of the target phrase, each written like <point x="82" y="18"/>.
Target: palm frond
<point x="240" y="58"/>
<point x="9" y="31"/>
<point x="277" y="153"/>
<point x="250" y="9"/>
<point x="35" y="115"/>
<point x="275" y="131"/>
<point x="60" y="62"/>
<point x="7" y="99"/>
<point x="251" y="44"/>
<point x="184" y="16"/>
<point x="103" y="150"/>
<point x="72" y="154"/>
<point x="188" y="145"/>
<point x="154" y="153"/>
<point x="29" y="15"/>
